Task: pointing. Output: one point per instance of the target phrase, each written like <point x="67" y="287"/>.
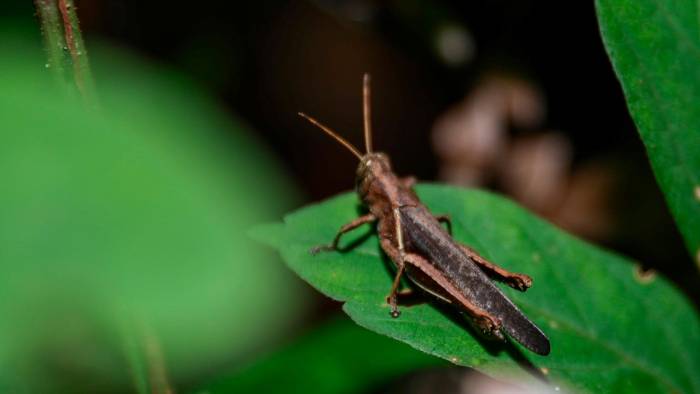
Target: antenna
<point x="332" y="134"/>
<point x="366" y="111"/>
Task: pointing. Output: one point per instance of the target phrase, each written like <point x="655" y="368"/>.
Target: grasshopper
<point x="420" y="247"/>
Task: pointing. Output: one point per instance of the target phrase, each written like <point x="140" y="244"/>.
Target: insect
<point x="420" y="247"/>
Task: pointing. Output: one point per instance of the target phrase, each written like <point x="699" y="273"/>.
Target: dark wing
<point x="424" y="234"/>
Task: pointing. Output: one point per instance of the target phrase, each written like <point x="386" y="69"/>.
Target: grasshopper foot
<point x="519" y="281"/>
<point x="321" y="248"/>
<point x="489" y="326"/>
<point x="392" y="301"/>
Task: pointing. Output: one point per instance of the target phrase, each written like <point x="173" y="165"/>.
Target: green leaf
<point x="611" y="330"/>
<point x="654" y="46"/>
<point x="338" y="357"/>
<point x="130" y="220"/>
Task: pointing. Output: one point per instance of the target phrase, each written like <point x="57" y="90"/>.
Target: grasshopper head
<point x="373" y="167"/>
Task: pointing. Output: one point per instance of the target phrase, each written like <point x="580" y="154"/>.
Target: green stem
<point x="54" y="41"/>
<point x="67" y="55"/>
<point x="145" y="358"/>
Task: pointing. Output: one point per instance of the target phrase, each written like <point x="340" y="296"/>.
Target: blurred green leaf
<point x="339" y="357"/>
<point x="611" y="330"/>
<point x="654" y="46"/>
<point x="135" y="215"/>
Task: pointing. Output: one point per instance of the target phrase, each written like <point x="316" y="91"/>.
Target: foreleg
<point x="364" y="219"/>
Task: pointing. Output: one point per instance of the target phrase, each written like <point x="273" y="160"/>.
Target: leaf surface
<point x="611" y="330"/>
<point x="654" y="46"/>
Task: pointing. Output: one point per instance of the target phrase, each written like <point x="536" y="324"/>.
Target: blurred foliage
<point x="338" y="357"/>
<point x="128" y="226"/>
<point x="654" y="47"/>
<point x="595" y="306"/>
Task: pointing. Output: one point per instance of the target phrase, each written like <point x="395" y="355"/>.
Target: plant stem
<point x="54" y="41"/>
<point x="67" y="55"/>
<point x="145" y="358"/>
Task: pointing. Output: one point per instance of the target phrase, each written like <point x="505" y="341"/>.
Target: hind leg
<point x="487" y="323"/>
<point x="515" y="280"/>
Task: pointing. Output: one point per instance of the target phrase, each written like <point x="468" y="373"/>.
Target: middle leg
<point x="445" y="219"/>
<point x="395" y="256"/>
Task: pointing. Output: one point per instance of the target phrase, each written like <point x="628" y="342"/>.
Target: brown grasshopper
<point x="419" y="246"/>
